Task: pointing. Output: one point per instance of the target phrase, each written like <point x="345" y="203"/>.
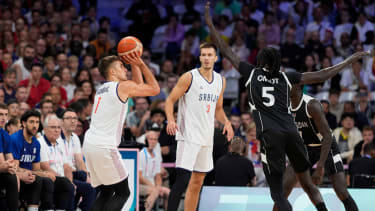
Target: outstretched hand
<point x="228" y="129"/>
<point x="317" y="176"/>
<point x="207" y="15"/>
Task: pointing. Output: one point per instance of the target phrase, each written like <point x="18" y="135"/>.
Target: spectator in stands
<point x="368" y="137"/>
<point x="234" y="169"/>
<point x="9" y="85"/>
<point x="56" y="82"/>
<point x="8" y="178"/>
<point x="12" y="126"/>
<point x="40" y="50"/>
<point x="136" y="119"/>
<point x="49" y="68"/>
<point x="347" y="137"/>
<point x="66" y="82"/>
<point x="362" y="26"/>
<point x="56" y="100"/>
<point x="2" y="96"/>
<point x="291" y="53"/>
<point x="25" y="150"/>
<point x="344" y="26"/>
<point x="13" y="108"/>
<point x="21" y="94"/>
<point x="78" y="94"/>
<point x="73" y="65"/>
<point x="331" y="119"/>
<point x="362" y="170"/>
<point x="101" y="43"/>
<point x="150" y="173"/>
<point x="81" y="76"/>
<point x="52" y="161"/>
<point x="36" y="85"/>
<point x="88" y="90"/>
<point x="355" y="78"/>
<point x="24" y="64"/>
<point x="23" y="107"/>
<point x="230" y="8"/>
<point x="71" y="145"/>
<point x="235" y="120"/>
<point x="62" y="61"/>
<point x="270" y="29"/>
<point x="97" y="78"/>
<point x="146" y="56"/>
<point x="174" y="35"/>
<point x="232" y="76"/>
<point x="246" y="120"/>
<point x="84" y="109"/>
<point x="346" y="48"/>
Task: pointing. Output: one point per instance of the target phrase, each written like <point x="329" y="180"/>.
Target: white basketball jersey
<point x="107" y="118"/>
<point x="196" y="109"/>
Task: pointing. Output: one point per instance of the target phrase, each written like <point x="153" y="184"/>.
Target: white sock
<point x="32" y="209"/>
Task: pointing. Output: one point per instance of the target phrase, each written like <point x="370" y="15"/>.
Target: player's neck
<point x="28" y="138"/>
<point x="206" y="73"/>
<point x="296" y="99"/>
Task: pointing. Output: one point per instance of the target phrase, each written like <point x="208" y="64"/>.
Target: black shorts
<point x="276" y="144"/>
<point x="333" y="163"/>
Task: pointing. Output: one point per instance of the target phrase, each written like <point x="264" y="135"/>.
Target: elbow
<point x="155" y="91"/>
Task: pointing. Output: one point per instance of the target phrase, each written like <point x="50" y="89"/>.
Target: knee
<point x="342" y="193"/>
<point x="47" y="184"/>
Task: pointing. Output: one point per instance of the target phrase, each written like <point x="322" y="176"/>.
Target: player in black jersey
<point x="321" y="146"/>
<point x="269" y="99"/>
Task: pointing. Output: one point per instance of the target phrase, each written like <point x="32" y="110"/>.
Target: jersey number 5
<point x="270" y="97"/>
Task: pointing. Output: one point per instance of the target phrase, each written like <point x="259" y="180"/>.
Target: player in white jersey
<point x="200" y="95"/>
<point x="103" y="159"/>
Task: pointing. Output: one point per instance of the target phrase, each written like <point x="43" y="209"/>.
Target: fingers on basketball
<point x="129" y="47"/>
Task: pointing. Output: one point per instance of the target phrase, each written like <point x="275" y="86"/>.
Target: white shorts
<point x="194" y="157"/>
<point x="106" y="166"/>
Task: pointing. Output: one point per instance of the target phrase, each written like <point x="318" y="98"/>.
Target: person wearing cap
<point x="150" y="173"/>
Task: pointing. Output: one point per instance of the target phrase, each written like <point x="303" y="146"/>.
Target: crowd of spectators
<point x="49" y="51"/>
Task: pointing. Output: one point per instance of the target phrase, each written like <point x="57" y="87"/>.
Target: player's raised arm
<point x="181" y="87"/>
<point x="219" y="42"/>
<point x="316" y="111"/>
<point x="132" y="89"/>
<point x="329" y="72"/>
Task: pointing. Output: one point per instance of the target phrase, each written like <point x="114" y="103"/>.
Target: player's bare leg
<point x="311" y="190"/>
<point x="339" y="185"/>
<point x="289" y="182"/>
<point x="192" y="193"/>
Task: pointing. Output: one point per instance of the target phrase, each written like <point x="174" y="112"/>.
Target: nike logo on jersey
<point x="262" y="78"/>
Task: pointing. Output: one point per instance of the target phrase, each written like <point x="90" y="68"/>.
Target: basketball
<point x="128" y="45"/>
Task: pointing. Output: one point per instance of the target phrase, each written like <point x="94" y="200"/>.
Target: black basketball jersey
<point x="305" y="123"/>
<point x="269" y="99"/>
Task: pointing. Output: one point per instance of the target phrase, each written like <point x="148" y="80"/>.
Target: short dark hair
<point x="367" y="128"/>
<point x="105" y="63"/>
<point x="345" y="115"/>
<point x="44" y="102"/>
<point x="67" y="110"/>
<point x="8" y="72"/>
<point x="157" y="111"/>
<point x="269" y="57"/>
<point x="208" y="45"/>
<point x="3" y="106"/>
<point x="37" y="64"/>
<point x="77" y="107"/>
<point x="12" y="101"/>
<point x="30" y="113"/>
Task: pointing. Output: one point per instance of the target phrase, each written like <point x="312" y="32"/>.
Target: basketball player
<point x="107" y="119"/>
<point x="200" y="95"/>
<point x="321" y="147"/>
<point x="269" y="91"/>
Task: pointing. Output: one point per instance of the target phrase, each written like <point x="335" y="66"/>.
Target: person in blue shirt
<point x="8" y="178"/>
<point x="36" y="185"/>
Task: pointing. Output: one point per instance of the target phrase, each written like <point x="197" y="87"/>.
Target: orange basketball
<point x="128" y="45"/>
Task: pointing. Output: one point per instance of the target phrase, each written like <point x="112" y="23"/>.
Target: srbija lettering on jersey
<point x="196" y="109"/>
<point x="107" y="118"/>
